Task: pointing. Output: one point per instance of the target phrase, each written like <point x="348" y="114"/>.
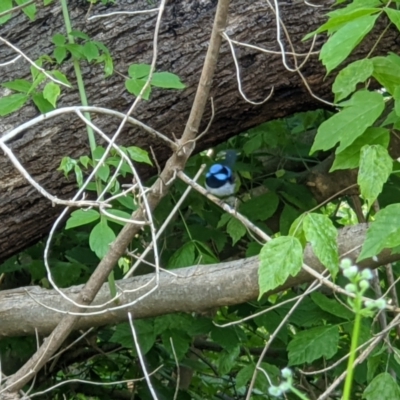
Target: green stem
<point x="353" y="349"/>
<point x="81" y="87"/>
<point x="298" y="393"/>
<point x="90" y="132"/>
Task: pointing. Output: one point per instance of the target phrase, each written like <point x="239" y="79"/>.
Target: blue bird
<point x="220" y="180"/>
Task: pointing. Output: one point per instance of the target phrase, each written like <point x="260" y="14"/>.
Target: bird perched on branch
<point x="220" y="179"/>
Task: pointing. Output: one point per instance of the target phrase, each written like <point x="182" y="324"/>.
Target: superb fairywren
<point x="220" y="180"/>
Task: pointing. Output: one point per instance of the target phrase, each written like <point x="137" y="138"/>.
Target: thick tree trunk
<point x="25" y="215"/>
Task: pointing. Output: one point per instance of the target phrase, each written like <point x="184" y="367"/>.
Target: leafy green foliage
<point x="139" y="74"/>
<point x="279" y="258"/>
<point x="312" y="344"/>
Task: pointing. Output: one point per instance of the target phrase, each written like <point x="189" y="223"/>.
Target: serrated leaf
<point x="227" y="360"/>
<point x="11" y="103"/>
<point x="181" y="342"/>
<point x="137" y="71"/>
<point x="236" y="230"/>
<point x="344" y="40"/>
<point x="375" y="168"/>
<point x="382" y="387"/>
<point x="313" y="344"/>
<point x="359" y="113"/>
<point x="183" y="257"/>
<point x="167" y="80"/>
<point x="229" y="338"/>
<point x="261" y="207"/>
<point x="29" y="11"/>
<point x="59" y="53"/>
<point x="383" y="233"/>
<point x="279" y="258"/>
<point x="82" y="217"/>
<point x="19" y="85"/>
<point x="144" y="331"/>
<point x="139" y="155"/>
<point x="347" y="79"/>
<point x="386" y="72"/>
<point x="134" y="86"/>
<point x="332" y="306"/>
<point x="41" y="103"/>
<point x="350" y="156"/>
<point x="322" y="235"/>
<point x="100" y="238"/>
<point x="51" y="92"/>
<point x="90" y="51"/>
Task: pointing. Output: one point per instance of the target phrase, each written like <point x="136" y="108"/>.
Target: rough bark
<point x="25" y="216"/>
<point x="195" y="289"/>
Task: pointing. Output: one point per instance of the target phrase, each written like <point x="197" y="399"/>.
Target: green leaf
<point x="375" y="168"/>
<point x="100" y="238"/>
<point x="350" y="156"/>
<point x="261" y="207"/>
<point x="58" y="39"/>
<point x="51" y="92"/>
<point x="90" y="51"/>
<point x="30" y="11"/>
<point x="396" y="97"/>
<point x="347" y="79"/>
<point x="180" y="340"/>
<point x="134" y="86"/>
<point x="279" y="258"/>
<point x="288" y="215"/>
<point x="41" y="103"/>
<point x="14" y="102"/>
<point x="235" y="229"/>
<point x="108" y="65"/>
<point x="337" y="21"/>
<point x="313" y="344"/>
<point x="118" y="213"/>
<point x="229" y="338"/>
<point x="85" y="161"/>
<point x="79" y="34"/>
<point x="60" y="76"/>
<point x="344" y="40"/>
<point x="5" y="5"/>
<point x="59" y="53"/>
<point x="144" y="331"/>
<point x="383" y="233"/>
<point x="322" y="235"/>
<point x="183" y="257"/>
<point x="78" y="175"/>
<point x="167" y="80"/>
<point x="137" y="71"/>
<point x="139" y="155"/>
<point x="394" y="16"/>
<point x="227" y="360"/>
<point x="359" y="113"/>
<point x="76" y="50"/>
<point x="332" y="306"/>
<point x="19" y="85"/>
<point x="103" y="172"/>
<point x="82" y="217"/>
<point x="67" y="165"/>
<point x="386" y="72"/>
<point x="382" y="387"/>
